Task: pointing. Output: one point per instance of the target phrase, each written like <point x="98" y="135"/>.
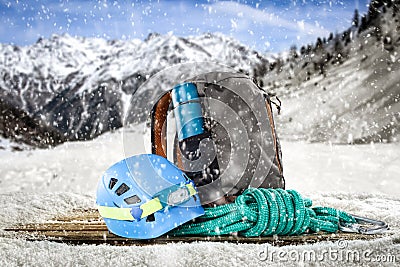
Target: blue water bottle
<point x="191" y="131"/>
<point x="187" y="110"/>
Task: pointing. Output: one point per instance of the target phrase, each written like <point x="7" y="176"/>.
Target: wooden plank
<point x="87" y="227"/>
<point x="70" y="226"/>
<point x="101" y="237"/>
<point x="79" y="215"/>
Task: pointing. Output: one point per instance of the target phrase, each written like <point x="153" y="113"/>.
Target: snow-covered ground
<point x="35" y="185"/>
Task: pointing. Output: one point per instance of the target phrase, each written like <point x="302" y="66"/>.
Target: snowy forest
<point x="63" y="107"/>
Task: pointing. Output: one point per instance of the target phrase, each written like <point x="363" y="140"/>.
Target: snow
<point x="372" y="168"/>
<point x="37" y="184"/>
<point x="9" y="145"/>
<point x="354" y="100"/>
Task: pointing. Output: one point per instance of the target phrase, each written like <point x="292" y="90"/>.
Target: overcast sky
<point x="270" y="25"/>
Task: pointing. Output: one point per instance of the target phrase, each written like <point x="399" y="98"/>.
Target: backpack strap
<point x="159" y="125"/>
<point x="274" y="136"/>
<point x="159" y="115"/>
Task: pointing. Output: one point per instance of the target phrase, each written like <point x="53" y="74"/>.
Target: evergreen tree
<point x="318" y="44"/>
<point x="346" y="37"/>
<point x="355" y="18"/>
<point x="293" y="52"/>
<point x="309" y="49"/>
<point x="395" y="10"/>
<point x="302" y="50"/>
<point x="373" y="10"/>
<point x="364" y="24"/>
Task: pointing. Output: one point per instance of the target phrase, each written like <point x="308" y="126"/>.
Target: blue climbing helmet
<point x="145" y="196"/>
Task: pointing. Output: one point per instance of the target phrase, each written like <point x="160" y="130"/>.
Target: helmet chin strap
<point x="159" y="202"/>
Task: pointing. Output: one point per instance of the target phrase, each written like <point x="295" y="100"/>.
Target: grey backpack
<point x="225" y="138"/>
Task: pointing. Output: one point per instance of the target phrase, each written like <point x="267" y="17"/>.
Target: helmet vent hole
<point x="121" y="189"/>
<point x="112" y="183"/>
<point x="132" y="200"/>
<point x="151" y="218"/>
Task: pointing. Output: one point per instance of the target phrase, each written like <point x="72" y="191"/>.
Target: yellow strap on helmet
<point x="122" y="214"/>
<point x="148" y="208"/>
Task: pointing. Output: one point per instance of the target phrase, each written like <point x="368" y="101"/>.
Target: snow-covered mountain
<point x="19" y="130"/>
<point x="79" y="88"/>
<point x="345" y="88"/>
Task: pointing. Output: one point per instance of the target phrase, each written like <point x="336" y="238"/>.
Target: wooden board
<point x="87" y="227"/>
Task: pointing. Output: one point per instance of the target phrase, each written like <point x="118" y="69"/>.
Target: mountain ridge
<point x="342" y="89"/>
<point x="64" y="81"/>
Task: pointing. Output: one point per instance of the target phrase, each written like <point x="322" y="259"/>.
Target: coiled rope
<point x="265" y="212"/>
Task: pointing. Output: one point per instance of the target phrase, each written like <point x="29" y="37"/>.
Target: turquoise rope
<point x="266" y="212"/>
